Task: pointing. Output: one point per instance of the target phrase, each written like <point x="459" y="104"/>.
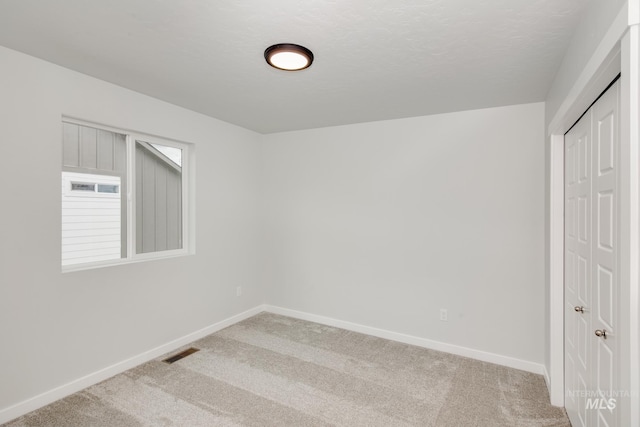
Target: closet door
<point x="604" y="322"/>
<point x="591" y="271"/>
<point x="577" y="269"/>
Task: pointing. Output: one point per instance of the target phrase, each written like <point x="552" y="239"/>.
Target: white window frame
<point x="188" y="152"/>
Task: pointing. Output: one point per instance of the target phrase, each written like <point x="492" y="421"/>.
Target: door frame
<point x="618" y="52"/>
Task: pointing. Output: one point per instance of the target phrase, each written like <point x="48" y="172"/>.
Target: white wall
<point x="384" y="223"/>
<point x="54" y="327"/>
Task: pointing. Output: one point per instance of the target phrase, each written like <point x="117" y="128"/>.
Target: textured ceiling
<point x="374" y="59"/>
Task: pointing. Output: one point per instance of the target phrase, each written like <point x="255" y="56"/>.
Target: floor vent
<point x="180" y="355"/>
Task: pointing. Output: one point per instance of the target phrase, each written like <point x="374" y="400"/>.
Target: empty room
<point x="320" y="213"/>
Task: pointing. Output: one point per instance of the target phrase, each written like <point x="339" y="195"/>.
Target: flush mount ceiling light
<point x="288" y="57"/>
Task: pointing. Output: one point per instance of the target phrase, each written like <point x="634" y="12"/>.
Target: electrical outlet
<point x="443" y="314"/>
<point x="239" y="291"/>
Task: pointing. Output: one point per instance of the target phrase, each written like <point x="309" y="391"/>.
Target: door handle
<point x="601" y="333"/>
<point x="579" y="309"/>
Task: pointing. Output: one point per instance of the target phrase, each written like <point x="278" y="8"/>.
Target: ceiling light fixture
<point x="288" y="57"/>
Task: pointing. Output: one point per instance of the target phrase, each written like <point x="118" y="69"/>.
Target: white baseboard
<point x="26" y="406"/>
<point x="547" y="379"/>
<point x="484" y="356"/>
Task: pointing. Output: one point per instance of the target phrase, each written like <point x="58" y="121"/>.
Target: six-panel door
<point x="591" y="278"/>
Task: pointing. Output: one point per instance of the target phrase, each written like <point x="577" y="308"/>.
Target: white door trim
<point x="630" y="218"/>
<point x="619" y="51"/>
<point x="556" y="270"/>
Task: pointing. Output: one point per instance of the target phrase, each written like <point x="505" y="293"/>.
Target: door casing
<point x="619" y="52"/>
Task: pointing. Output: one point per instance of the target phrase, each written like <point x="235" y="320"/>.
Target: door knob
<point x="601" y="333"/>
<point x="579" y="309"/>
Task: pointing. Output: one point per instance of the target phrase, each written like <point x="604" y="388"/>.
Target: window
<point x="124" y="196"/>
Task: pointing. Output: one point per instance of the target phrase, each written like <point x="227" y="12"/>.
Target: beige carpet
<point x="272" y="370"/>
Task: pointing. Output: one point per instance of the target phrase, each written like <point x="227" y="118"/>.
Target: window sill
<point x="123" y="261"/>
